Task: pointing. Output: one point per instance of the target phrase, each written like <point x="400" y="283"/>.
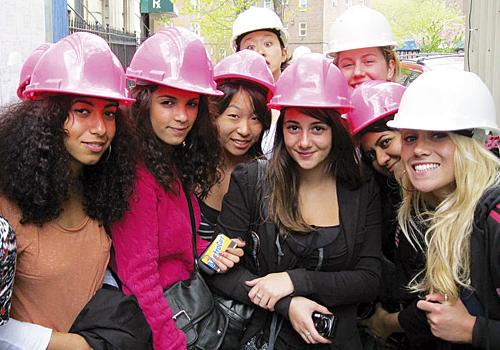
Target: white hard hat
<point x="359" y="27"/>
<point x="446" y="100"/>
<point x="257" y="18"/>
<point x="300" y="51"/>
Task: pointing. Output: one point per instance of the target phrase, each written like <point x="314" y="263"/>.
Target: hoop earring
<point x="108" y="155"/>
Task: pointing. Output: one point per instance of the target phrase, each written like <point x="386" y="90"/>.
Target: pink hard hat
<point x="80" y="64"/>
<point x="27" y="69"/>
<point x="245" y="65"/>
<point x="177" y="58"/>
<point x="312" y="81"/>
<point x="372" y="101"/>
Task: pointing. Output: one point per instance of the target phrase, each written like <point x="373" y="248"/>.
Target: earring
<point x="109" y="154"/>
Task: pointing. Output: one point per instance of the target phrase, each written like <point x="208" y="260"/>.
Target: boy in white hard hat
<point x="260" y="29"/>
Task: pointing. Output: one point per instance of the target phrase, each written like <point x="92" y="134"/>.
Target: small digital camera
<point x="325" y="324"/>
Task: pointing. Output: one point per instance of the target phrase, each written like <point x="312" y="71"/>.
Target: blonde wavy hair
<point x="449" y="224"/>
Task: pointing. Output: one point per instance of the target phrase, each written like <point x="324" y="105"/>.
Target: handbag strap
<point x="193" y="226"/>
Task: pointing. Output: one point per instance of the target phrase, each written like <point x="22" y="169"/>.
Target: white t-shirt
<point x="268" y="138"/>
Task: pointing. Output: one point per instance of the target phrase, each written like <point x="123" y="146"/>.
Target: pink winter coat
<point x="153" y="250"/>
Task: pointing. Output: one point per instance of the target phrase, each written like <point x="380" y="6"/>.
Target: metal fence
<point x="122" y="43"/>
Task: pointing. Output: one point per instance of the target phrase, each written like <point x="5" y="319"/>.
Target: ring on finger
<point x="259" y="296"/>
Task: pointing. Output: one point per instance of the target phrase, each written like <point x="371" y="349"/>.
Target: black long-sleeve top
<point x="347" y="281"/>
<point x="485" y="281"/>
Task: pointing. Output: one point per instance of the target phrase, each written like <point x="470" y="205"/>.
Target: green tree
<point x="215" y="19"/>
<point x="436" y="25"/>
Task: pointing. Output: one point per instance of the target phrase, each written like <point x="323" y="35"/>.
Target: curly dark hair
<point x="258" y="98"/>
<point x="34" y="164"/>
<point x="195" y="163"/>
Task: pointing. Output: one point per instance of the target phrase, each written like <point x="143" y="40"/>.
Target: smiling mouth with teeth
<point x="425" y="167"/>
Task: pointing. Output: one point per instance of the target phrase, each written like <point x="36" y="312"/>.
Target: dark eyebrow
<point x="319" y="123"/>
<point x="175" y="98"/>
<point x="378" y="140"/>
<point x="168" y="96"/>
<point x="112" y="103"/>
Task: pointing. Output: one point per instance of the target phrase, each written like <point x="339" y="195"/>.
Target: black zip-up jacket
<point x="340" y="291"/>
<point x="485" y="280"/>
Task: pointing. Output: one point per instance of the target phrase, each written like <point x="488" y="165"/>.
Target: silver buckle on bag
<point x="174" y="317"/>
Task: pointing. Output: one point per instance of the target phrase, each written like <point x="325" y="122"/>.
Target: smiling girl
<point x="65" y="174"/>
<point x="179" y="154"/>
<point x="319" y="222"/>
<point x="451" y="201"/>
<point x="361" y="44"/>
<point x="241" y="116"/>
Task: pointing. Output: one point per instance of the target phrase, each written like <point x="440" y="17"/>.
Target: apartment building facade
<point x="308" y="21"/>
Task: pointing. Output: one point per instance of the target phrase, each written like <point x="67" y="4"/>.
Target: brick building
<point x="308" y="21"/>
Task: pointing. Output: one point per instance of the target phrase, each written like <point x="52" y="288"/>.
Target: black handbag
<point x="193" y="306"/>
<point x="239" y="316"/>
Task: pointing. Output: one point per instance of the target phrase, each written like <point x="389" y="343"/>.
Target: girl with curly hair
<point x="65" y="174"/>
<point x="179" y="154"/>
<point x="242" y="117"/>
<point x="451" y="203"/>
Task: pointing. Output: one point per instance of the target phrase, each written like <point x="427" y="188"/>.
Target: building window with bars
<point x="302" y="29"/>
<point x="195" y="28"/>
<point x="268" y="4"/>
<point x="195" y="5"/>
<point x="303" y="3"/>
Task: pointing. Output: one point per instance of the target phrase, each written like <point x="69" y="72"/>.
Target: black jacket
<point x="485" y="280"/>
<point x="112" y="320"/>
<point x="340" y="291"/>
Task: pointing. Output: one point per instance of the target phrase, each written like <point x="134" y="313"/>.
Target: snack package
<point x="218" y="245"/>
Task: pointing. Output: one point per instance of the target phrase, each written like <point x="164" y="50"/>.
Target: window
<point x="268" y="4"/>
<point x="222" y="53"/>
<point x="348" y="3"/>
<point x="195" y="4"/>
<point x="302" y="29"/>
<point x="334" y="3"/>
<point x="303" y="3"/>
<point x="195" y="28"/>
<point x="361" y="2"/>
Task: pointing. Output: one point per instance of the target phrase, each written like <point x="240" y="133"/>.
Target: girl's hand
<point x="300" y="314"/>
<point x="448" y="320"/>
<point x="268" y="290"/>
<point x="382" y="324"/>
<point x="231" y="256"/>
